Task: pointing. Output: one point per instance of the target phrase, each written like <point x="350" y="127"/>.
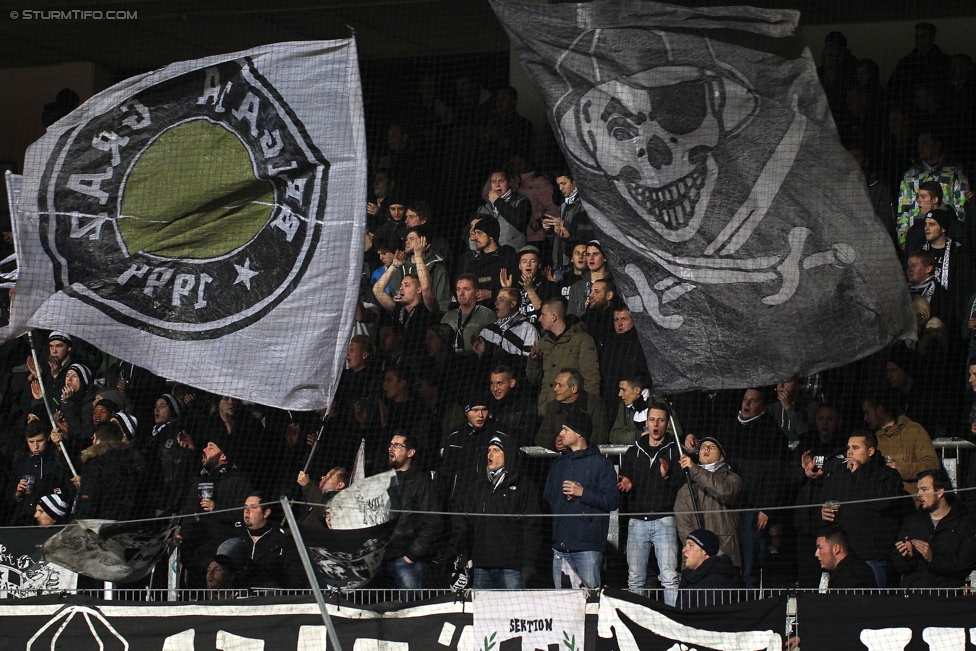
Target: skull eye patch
<point x="679" y="109"/>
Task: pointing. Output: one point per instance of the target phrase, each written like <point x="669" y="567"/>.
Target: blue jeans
<point x="586" y="564"/>
<point x="880" y="569"/>
<point x="662" y="536"/>
<point x="497" y="578"/>
<point x="409" y="577"/>
<point x="753" y="548"/>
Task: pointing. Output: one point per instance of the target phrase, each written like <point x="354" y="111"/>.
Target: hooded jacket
<point x="272" y="561"/>
<point x="112" y="474"/>
<point x="48" y="475"/>
<point x="651" y="493"/>
<point x="716" y="492"/>
<point x="595" y="472"/>
<point x="501" y="542"/>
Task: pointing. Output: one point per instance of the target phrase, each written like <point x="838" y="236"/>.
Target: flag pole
<point x="313" y="583"/>
<point x="699" y="516"/>
<point x="47" y="406"/>
<point x="315" y="447"/>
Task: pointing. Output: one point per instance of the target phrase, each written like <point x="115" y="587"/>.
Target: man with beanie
<point x="706" y="568"/>
<point x="51" y="509"/>
<point x="717" y="490"/>
<point x="502" y="550"/>
<point x="488" y="259"/>
<point x="464" y="451"/>
<point x="169" y="465"/>
<point x="582" y="482"/>
<point x="953" y="266"/>
<point x="650" y="478"/>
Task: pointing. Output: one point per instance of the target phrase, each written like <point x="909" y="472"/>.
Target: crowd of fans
<point x="480" y="337"/>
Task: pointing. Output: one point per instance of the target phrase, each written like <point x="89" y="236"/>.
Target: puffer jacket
<point x="112" y="483"/>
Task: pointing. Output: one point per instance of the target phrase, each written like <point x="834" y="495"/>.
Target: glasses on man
<point x="397" y="446"/>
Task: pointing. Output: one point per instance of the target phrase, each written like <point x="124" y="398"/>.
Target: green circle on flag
<point x="192" y="194"/>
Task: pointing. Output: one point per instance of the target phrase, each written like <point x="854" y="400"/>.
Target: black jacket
<point x="652" y="493"/>
<point x="48" y="475"/>
<point x="416" y="532"/>
<point x="758" y="453"/>
<point x="516" y="416"/>
<point x="230" y="488"/>
<point x="112" y="483"/>
<point x="953" y="550"/>
<point x="169" y="466"/>
<point x="852" y="573"/>
<point x="621" y="356"/>
<point x="872" y="526"/>
<point x="464" y="458"/>
<point x="272" y="560"/>
<point x="501" y="542"/>
<point x="714" y="574"/>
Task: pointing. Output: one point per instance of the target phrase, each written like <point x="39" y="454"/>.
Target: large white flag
<point x="205" y="221"/>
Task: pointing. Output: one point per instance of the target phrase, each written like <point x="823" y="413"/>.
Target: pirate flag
<point x="185" y="220"/>
<point x="737" y="227"/>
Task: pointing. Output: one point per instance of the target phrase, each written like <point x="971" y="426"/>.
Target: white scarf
<point x="712" y="467"/>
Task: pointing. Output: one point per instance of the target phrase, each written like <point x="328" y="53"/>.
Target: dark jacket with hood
<point x="715" y="573"/>
<point x="463" y="460"/>
<point x="416" y="533"/>
<point x="651" y="493"/>
<point x="272" y="561"/>
<point x="170" y="466"/>
<point x="112" y="483"/>
<point x="48" y="475"/>
<point x="230" y="489"/>
<point x="595" y="472"/>
<point x="516" y="416"/>
<point x="501" y="542"/>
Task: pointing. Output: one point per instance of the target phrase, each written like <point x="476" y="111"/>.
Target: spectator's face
<point x="386" y="257"/>
<point x="928" y="148"/>
<point x="569" y="437"/>
<point x="752" y="404"/>
<point x="399" y="455"/>
<point x="708" y="452"/>
<point x="413" y="219"/>
<point x="356" y="357"/>
<point x="858" y="450"/>
<point x="381" y="185"/>
<point x="933" y="232"/>
<point x="896" y="376"/>
<point x="499" y="183"/>
<point x="926" y="202"/>
<point x="409" y="291"/>
<point x="566" y="186"/>
<point x="505" y="305"/>
<point x="161" y="412"/>
<point x="564" y="393"/>
<point x="693" y="555"/>
<point x="411" y="241"/>
<point x="923" y="39"/>
<point x="623" y="321"/>
<point x="255" y="515"/>
<point x="598" y="297"/>
<point x="594" y="258"/>
<point x="477" y="416"/>
<point x="480" y="239"/>
<point x="212" y="456"/>
<point x="917" y="271"/>
<point x="434" y="344"/>
<point x="828" y="422"/>
<point x="101" y="414"/>
<point x="972" y="377"/>
<point x="657" y="424"/>
<point x="37" y="444"/>
<point x="330" y="481"/>
<point x="579" y="257"/>
<point x="501" y="384"/>
<point x="58" y="351"/>
<point x="228" y="407"/>
<point x="628" y="393"/>
<point x="218" y="576"/>
<point x="42" y="518"/>
<point x="466" y="294"/>
<point x="825" y="554"/>
<point x="529" y="264"/>
<point x="388" y="339"/>
<point x="392" y="386"/>
<point x="72" y="381"/>
<point x="397" y="211"/>
<point x="928" y="498"/>
<point x="496" y="457"/>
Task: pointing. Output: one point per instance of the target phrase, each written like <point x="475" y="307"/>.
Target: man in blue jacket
<point x="581" y="491"/>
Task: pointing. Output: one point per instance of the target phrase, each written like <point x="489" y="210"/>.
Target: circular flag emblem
<point x="190" y="209"/>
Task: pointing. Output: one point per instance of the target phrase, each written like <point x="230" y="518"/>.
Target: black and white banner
<point x="204" y="221"/>
<point x="630" y="623"/>
<point x="708" y="161"/>
<point x="107" y="550"/>
<point x="279" y="624"/>
<point x="346" y="558"/>
<point x="886" y="623"/>
<point x="23" y="573"/>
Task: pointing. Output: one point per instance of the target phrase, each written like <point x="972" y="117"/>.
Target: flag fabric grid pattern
<point x="190" y="221"/>
<point x="736" y="225"/>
